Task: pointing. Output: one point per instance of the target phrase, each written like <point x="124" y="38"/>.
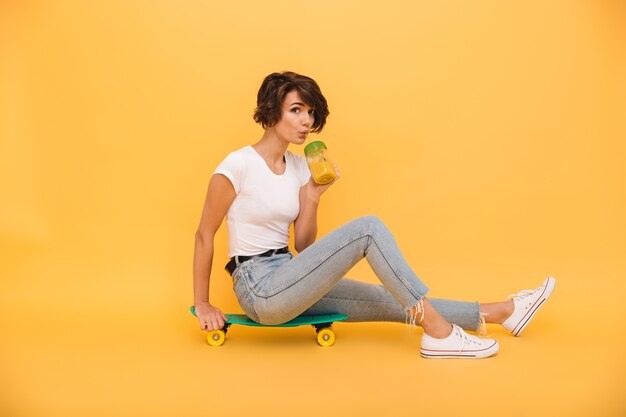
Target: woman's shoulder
<point x="239" y="156"/>
<point x="244" y="152"/>
<point x="235" y="166"/>
<point x="236" y="160"/>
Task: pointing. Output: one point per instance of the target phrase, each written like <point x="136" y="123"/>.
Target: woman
<point x="263" y="188"/>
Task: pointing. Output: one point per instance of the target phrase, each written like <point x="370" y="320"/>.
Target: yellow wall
<point x="488" y="135"/>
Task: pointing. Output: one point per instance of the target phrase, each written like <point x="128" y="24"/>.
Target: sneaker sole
<point x="451" y="354"/>
<point x="519" y="328"/>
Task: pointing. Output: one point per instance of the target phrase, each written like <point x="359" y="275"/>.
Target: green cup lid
<point x="314" y="146"/>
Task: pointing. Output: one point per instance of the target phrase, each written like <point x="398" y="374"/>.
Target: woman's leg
<point x="371" y="302"/>
<point x="278" y="289"/>
<point x="497" y="312"/>
<point x="284" y="292"/>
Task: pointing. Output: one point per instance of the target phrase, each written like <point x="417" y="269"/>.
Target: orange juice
<point x="322" y="172"/>
<point x="322" y="169"/>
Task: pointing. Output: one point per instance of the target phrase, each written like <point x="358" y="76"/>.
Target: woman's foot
<point x="457" y="345"/>
<point x="526" y="303"/>
<point x="444" y="340"/>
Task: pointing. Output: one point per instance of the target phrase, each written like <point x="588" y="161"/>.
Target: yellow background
<point x="488" y="135"/>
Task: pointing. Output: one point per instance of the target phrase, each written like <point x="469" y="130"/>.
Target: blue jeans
<point x="276" y="289"/>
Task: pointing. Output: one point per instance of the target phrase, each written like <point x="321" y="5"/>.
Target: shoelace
<point x="466" y="339"/>
<point x="522" y="294"/>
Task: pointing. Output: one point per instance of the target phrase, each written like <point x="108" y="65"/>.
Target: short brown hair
<point x="275" y="88"/>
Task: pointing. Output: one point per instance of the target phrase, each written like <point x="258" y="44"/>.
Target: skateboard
<point x="322" y="324"/>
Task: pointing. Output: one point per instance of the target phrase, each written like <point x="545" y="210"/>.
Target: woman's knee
<point x="373" y="224"/>
<point x="371" y="221"/>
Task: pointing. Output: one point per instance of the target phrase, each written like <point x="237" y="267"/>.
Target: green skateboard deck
<point x="322" y="324"/>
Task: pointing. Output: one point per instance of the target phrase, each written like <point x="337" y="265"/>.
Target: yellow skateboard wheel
<point x="215" y="337"/>
<point x="326" y="337"/>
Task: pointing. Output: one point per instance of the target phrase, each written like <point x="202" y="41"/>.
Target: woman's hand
<point x="314" y="190"/>
<point x="209" y="316"/>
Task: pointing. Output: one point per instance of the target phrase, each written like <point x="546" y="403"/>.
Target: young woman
<point x="261" y="189"/>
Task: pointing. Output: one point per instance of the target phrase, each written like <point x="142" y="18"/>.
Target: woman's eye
<point x="295" y="110"/>
<point x="311" y="112"/>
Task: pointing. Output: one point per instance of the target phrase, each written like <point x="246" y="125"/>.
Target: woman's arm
<point x="305" y="225"/>
<point x="220" y="196"/>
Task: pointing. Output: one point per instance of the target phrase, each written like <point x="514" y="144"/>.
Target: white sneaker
<point x="458" y="345"/>
<point x="527" y="303"/>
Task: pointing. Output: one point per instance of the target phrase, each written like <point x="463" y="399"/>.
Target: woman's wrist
<point x="313" y="200"/>
<point x="313" y="196"/>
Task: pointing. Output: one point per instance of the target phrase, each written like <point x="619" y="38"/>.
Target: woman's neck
<point x="271" y="148"/>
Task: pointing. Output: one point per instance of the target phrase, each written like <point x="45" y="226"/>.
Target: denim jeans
<point x="276" y="289"/>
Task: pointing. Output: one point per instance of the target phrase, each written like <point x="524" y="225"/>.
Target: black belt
<point x="235" y="260"/>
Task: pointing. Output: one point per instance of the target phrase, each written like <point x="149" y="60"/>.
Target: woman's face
<point x="296" y="119"/>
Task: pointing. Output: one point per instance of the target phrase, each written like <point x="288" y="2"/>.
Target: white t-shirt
<point x="266" y="203"/>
